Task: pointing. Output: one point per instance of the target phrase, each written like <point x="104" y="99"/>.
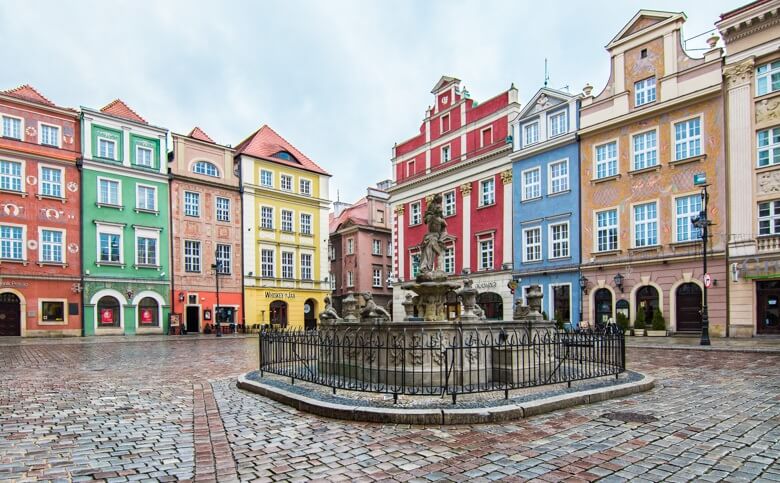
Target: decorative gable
<point x="545" y="98"/>
<point x="443" y="83"/>
<point x="643" y="20"/>
<point x="118" y="108"/>
<point x="199" y="134"/>
<point x="28" y="93"/>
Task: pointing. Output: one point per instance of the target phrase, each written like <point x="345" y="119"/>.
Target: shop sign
<point x="757" y="268"/>
<point x="107" y="316"/>
<point x="485" y="285"/>
<point x="279" y="295"/>
<point x="146" y="316"/>
<point x="13" y="283"/>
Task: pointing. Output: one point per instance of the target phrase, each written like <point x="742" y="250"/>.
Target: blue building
<point x="546" y="202"/>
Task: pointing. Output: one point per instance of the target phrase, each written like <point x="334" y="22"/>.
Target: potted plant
<point x="639" y="322"/>
<point x="624" y="324"/>
<point x="658" y="325"/>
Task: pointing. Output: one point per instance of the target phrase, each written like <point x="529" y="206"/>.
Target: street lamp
<point x="583" y="291"/>
<point x="618" y="279"/>
<point x="702" y="223"/>
<point x="218" y="310"/>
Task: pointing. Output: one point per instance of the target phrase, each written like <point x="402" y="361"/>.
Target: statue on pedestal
<point x="432" y="248"/>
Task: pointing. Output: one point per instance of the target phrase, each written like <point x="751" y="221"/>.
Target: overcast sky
<point x="341" y="80"/>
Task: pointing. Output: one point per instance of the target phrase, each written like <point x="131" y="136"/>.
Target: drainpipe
<point x="172" y="293"/>
<point x="80" y="167"/>
<point x="241" y="218"/>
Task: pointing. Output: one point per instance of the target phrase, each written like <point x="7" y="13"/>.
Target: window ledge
<point x="50" y="197"/>
<point x="14" y="260"/>
<point x="191" y="216"/>
<point x="308" y="235"/>
<point x="607" y="252"/>
<point x="112" y="160"/>
<point x="265" y="228"/>
<point x="557" y="259"/>
<point x="559" y="193"/>
<point x="288" y="232"/>
<point x="649" y="169"/>
<point x="486" y="206"/>
<point x="12" y="138"/>
<point x="685" y="244"/>
<point x="107" y="205"/>
<point x="605" y="179"/>
<point x="692" y="159"/>
<point x="144" y="265"/>
<point x="528" y="200"/>
<point x="649" y="248"/>
<point x="53" y="264"/>
<point x="110" y="264"/>
<point x="526" y="262"/>
<point x="768" y="167"/>
<point x="144" y="210"/>
<point x="415" y="224"/>
<point x="450" y="215"/>
<point x="768" y="95"/>
<point x="14" y="192"/>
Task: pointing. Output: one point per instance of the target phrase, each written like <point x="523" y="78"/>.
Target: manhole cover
<point x="629" y="417"/>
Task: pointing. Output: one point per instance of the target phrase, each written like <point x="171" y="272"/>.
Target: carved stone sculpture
<point x="349" y="308"/>
<point x="432" y="249"/>
<point x="329" y="313"/>
<point x="520" y="311"/>
<point x="534" y="296"/>
<point x="371" y="310"/>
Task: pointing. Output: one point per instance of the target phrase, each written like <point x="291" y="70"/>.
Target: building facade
<point x="360" y="249"/>
<point x="206" y="233"/>
<point x="546" y="215"/>
<point x="285" y="204"/>
<point x="752" y="96"/>
<point x="461" y="152"/>
<point x="656" y="124"/>
<point x="125" y="223"/>
<point x="40" y="215"/>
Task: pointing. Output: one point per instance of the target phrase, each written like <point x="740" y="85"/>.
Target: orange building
<point x="657" y="123"/>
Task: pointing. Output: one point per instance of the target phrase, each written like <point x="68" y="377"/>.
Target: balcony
<point x="768" y="244"/>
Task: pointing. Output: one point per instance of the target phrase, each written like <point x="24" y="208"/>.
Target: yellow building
<point x="285" y="206"/>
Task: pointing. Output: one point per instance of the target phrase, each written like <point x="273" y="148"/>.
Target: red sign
<point x="146" y="316"/>
<point x="107" y="317"/>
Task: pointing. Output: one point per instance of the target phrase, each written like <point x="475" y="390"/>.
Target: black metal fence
<point x="452" y="362"/>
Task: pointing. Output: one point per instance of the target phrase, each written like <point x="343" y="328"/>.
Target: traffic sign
<point x="707" y="280"/>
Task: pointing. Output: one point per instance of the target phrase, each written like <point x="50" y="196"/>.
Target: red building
<point x="40" y="213"/>
<point x="462" y="152"/>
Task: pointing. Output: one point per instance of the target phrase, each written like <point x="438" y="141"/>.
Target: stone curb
<point x="764" y="350"/>
<point x="444" y="416"/>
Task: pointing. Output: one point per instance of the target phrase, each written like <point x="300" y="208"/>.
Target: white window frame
<point x="446" y="154"/>
<point x="536" y="246"/>
<point x="286" y="225"/>
<point x="376" y="247"/>
<point x="449" y="208"/>
<point x="267" y="222"/>
<point x="304" y="182"/>
<point x="270" y="174"/>
<point x="607" y="161"/>
<point x="12" y="240"/>
<point x="307" y="272"/>
<point x="449" y="258"/>
<point x="414" y="268"/>
<point x="771" y="148"/>
<point x="558" y="119"/>
<point x="531" y="129"/>
<point x="58" y="129"/>
<point x="138" y="150"/>
<point x="563" y="179"/>
<point x="645" y="151"/>
<point x="772" y="68"/>
<point x="197" y="197"/>
<point x="482" y="136"/>
<point x="110" y="229"/>
<point x="21" y="178"/>
<point x="306" y="228"/>
<point x="528" y="188"/>
<point x="204" y="162"/>
<point x="350" y="279"/>
<point x="376" y="278"/>
<point x="41" y="181"/>
<point x="138" y="197"/>
<point x="688" y="139"/>
<point x="415" y="215"/>
<point x="647" y="223"/>
<point x="41" y="313"/>
<point x="289" y="178"/>
<point x="771" y="218"/>
<point x="489" y="254"/>
<point x="350" y="246"/>
<point x="152" y="235"/>
<point x="288" y="269"/>
<point x="227" y="264"/>
<point x="217" y="210"/>
<point x="267" y="263"/>
<point x="606" y="228"/>
<point x="21" y="126"/>
<point x="564" y="243"/>
<point x="112" y="141"/>
<point x="42" y="242"/>
<point x="644" y="91"/>
<point x="693" y="233"/>
<point x="118" y="191"/>
<point x="195" y="259"/>
<point x="491" y="193"/>
<point x="389" y="248"/>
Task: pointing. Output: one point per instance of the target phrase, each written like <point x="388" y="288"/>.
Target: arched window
<point x="206" y="168"/>
<point x="279" y="313"/>
<point x="285" y="155"/>
<point x="148" y="311"/>
<point x="603" y="301"/>
<point x="647" y="301"/>
<point x="492" y="304"/>
<point x="108" y="312"/>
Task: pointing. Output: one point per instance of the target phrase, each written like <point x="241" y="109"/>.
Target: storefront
<point x="117" y="308"/>
<point x="32" y="307"/>
<point x="754" y="297"/>
<point x="284" y="308"/>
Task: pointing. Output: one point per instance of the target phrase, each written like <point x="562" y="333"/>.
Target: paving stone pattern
<point x="167" y="410"/>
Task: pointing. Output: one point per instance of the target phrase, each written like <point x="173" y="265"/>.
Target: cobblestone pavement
<point x="161" y="410"/>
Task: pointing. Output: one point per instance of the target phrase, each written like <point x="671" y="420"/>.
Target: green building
<point x="126" y="223"/>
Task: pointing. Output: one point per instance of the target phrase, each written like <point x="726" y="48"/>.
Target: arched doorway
<point x="148" y="313"/>
<point x="647" y="301"/>
<point x="602" y="300"/>
<point x="688" y="303"/>
<point x="768" y="298"/>
<point x="10" y="314"/>
<point x="310" y="314"/>
<point x="491" y="304"/>
<point x="108" y="312"/>
<point x="279" y="313"/>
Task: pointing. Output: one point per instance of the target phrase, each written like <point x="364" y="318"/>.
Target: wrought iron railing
<point x="452" y="362"/>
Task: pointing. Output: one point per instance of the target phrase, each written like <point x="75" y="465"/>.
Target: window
<point x="205" y="168"/>
<point x="304" y="186"/>
<point x="350" y="246"/>
<point x="223" y="209"/>
<point x="559" y="176"/>
<point x="445" y="123"/>
<point x="191" y="203"/>
<point x="531" y="133"/>
<point x="643" y="53"/>
<point x="50" y="135"/>
<point x="445" y="154"/>
<point x="415" y="264"/>
<point x="350" y="280"/>
<point x="287" y="264"/>
<point x="11" y="242"/>
<point x="606" y="160"/>
<point x="144" y="156"/>
<point x="532" y="244"/>
<point x="332" y="281"/>
<point x="110" y="249"/>
<point x="488" y="191"/>
<point x="606" y="231"/>
<point x="409" y="168"/>
<point x="266" y="178"/>
<point x="380" y="216"/>
<point x="768" y="218"/>
<point x="559" y="240"/>
<point x="267" y="218"/>
<point x="148" y="312"/>
<point x="306" y="266"/>
<point x="768" y="78"/>
<point x="687" y="139"/>
<point x="449" y="203"/>
<point x="305" y="224"/>
<point x="769" y="147"/>
<point x="645" y="150"/>
<point x="558" y="123"/>
<point x="108" y="192"/>
<point x="376" y="247"/>
<point x="146" y="250"/>
<point x="377" y="277"/>
<point x="486" y="254"/>
<point x="561" y="303"/>
<point x="267" y="263"/>
<point x="286" y="182"/>
<point x="287" y="220"/>
<point x="487" y="137"/>
<point x="51" y="182"/>
<point x="389" y="249"/>
<point x="52" y="311"/>
<point x="191" y="256"/>
<point x="12" y="127"/>
<point x="146" y="197"/>
<point x="223" y="258"/>
<point x="644" y="91"/>
<point x="106" y="148"/>
<point x="532" y="183"/>
<point x="10" y="175"/>
<point x="108" y="312"/>
<point x="52" y="246"/>
<point x="646" y="225"/>
<point x="449" y="259"/>
<point x="686" y="207"/>
<point x="331" y="251"/>
<point x="416" y="216"/>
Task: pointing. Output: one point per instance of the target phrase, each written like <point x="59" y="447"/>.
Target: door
<point x="603" y="302"/>
<point x="309" y="314"/>
<point x="768" y="298"/>
<point x="279" y="313"/>
<point x="688" y="310"/>
<point x="10" y="314"/>
<point x="193" y="318"/>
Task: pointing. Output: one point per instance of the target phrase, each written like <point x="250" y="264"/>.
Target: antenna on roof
<point x="546" y="74"/>
<point x="337" y="196"/>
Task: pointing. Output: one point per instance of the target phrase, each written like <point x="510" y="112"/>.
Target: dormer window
<point x="285" y="155"/>
<point x="531" y="133"/>
<point x="644" y="91"/>
<point x="205" y="168"/>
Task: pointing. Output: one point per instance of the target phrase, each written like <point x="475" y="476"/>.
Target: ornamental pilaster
<point x="506" y="176"/>
<point x="399" y="210"/>
<point x="739" y="74"/>
<point x="465" y="189"/>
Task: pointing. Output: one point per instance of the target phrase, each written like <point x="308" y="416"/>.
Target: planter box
<point x="656" y="333"/>
<point x="639" y="332"/>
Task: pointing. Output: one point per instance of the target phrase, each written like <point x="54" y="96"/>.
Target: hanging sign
<point x="146" y="316"/>
<point x="107" y="317"/>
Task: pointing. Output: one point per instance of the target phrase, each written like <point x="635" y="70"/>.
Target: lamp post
<point x="217" y="310"/>
<point x="583" y="291"/>
<point x="618" y="279"/>
<point x="702" y="223"/>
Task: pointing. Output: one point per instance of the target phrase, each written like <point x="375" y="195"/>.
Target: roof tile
<point x="198" y="133"/>
<point x="265" y="142"/>
<point x="118" y="108"/>
<point x="28" y="93"/>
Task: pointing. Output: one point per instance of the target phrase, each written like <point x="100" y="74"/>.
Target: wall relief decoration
<point x="769" y="182"/>
<point x="768" y="110"/>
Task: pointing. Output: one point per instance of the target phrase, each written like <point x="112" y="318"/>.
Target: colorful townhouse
<point x="546" y="214"/>
<point x="285" y="204"/>
<point x="656" y="124"/>
<point x="205" y="233"/>
<point x="360" y="249"/>
<point x="40" y="216"/>
<point x="752" y="96"/>
<point x="461" y="151"/>
<point x="125" y="223"/>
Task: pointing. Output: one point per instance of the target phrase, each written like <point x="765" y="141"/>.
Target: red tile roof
<point x="358" y="213"/>
<point x="118" y="108"/>
<point x="28" y="93"/>
<point x="198" y="133"/>
<point x="265" y="142"/>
